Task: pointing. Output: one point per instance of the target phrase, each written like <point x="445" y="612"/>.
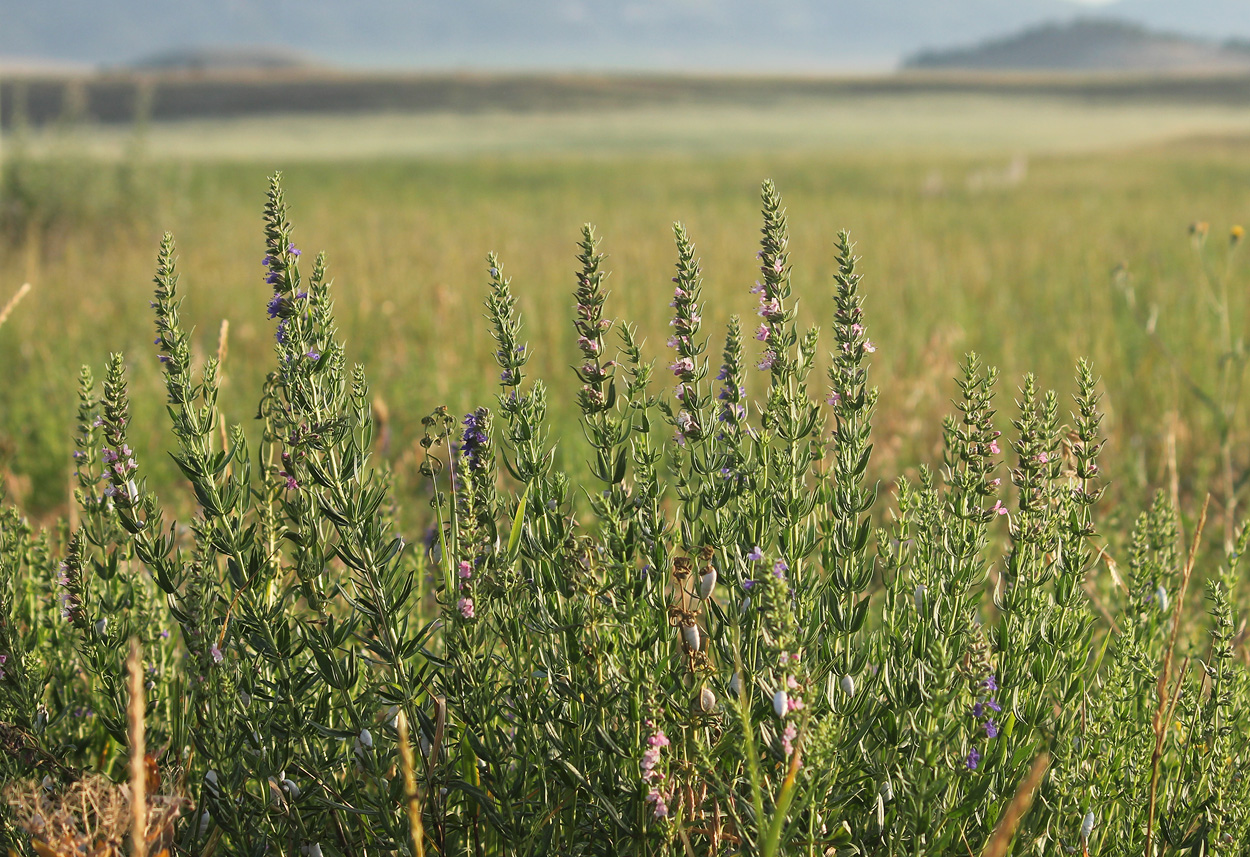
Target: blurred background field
<point x="1034" y="221"/>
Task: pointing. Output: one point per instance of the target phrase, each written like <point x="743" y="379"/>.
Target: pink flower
<point x="994" y="450"/>
<point x="218" y="657"/>
<point x="869" y="347"/>
<point x="465" y="605"/>
<point x="834" y="398"/>
<point x="768" y="307"/>
<point x="466" y="569"/>
<point x="762" y="333"/>
<point x="787" y="739"/>
<point x="1043" y="457"/>
<point x="999" y="508"/>
<point x="778" y="264"/>
<point x="661" y="807"/>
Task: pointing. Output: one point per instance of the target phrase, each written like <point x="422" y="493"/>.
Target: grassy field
<point x="985" y="223"/>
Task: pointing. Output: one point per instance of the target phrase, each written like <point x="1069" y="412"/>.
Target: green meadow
<point x="1031" y="229"/>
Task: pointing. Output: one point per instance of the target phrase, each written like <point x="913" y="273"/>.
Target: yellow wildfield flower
<point x="1236" y="233"/>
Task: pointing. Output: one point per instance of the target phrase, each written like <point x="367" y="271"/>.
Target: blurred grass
<point x="967" y="245"/>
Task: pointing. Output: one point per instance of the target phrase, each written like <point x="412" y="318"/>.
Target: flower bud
<point x="1087" y="826"/>
<point x="781" y="703"/>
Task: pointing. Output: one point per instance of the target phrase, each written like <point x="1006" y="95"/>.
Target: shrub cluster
<point x="700" y="645"/>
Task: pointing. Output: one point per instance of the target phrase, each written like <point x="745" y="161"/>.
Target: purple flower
<point x="275" y="305"/>
<point x="762" y="333"/>
<point x="292" y="249"/>
<point x="474" y="438"/>
<point x="780" y="567"/>
<point x="990" y="684"/>
<point x="756" y="554"/>
<point x="991" y="729"/>
<point x="974" y="759"/>
<point x="748" y="584"/>
<point x="291" y="484"/>
<point x="217" y="656"/>
<point x="833" y="398"/>
<point x="313" y="355"/>
<point x="3" y="660"/>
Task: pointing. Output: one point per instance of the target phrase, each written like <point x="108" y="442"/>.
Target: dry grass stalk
<point x="89" y="816"/>
<point x="1167" y="701"/>
<point x="138" y="753"/>
<point x="13" y="302"/>
<point x="1000" y="841"/>
<point x="412" y="799"/>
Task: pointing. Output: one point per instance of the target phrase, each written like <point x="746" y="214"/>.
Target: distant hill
<point x="1091" y="44"/>
<point x="729" y="35"/>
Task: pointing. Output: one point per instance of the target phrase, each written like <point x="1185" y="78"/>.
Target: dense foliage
<point x="700" y="644"/>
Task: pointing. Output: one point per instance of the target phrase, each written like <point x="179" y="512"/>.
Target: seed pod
<point x="681" y="567"/>
<point x="781" y="703"/>
<point x="735" y="684"/>
<point x="101" y="626"/>
<point x="707" y="582"/>
<point x="919" y="598"/>
<point x="848" y="685"/>
<point x="707" y="700"/>
<point x="1161" y="595"/>
<point x="745" y="605"/>
<point x="887" y="791"/>
<point x="690" y="636"/>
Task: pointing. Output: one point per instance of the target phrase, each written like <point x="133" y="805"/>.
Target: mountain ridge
<point x="1090" y="44"/>
<point x="566" y="34"/>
